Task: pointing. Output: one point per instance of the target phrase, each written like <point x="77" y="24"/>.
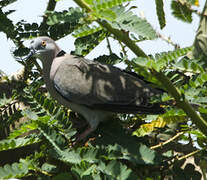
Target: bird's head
<point x="43" y="48"/>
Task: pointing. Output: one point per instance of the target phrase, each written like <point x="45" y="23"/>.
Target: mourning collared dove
<point x="94" y="90"/>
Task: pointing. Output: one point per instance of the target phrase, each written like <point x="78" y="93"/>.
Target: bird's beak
<point x="31" y="53"/>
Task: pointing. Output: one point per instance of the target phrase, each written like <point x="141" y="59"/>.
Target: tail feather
<point x="132" y="109"/>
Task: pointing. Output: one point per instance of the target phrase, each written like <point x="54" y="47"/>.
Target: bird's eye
<point x="43" y="43"/>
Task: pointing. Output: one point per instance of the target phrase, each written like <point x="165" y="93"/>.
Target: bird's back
<point x="103" y="86"/>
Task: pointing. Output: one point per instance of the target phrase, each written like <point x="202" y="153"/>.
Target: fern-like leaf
<point x="24" y="128"/>
<point x="40" y="104"/>
<point x="6" y="2"/>
<point x="117" y="170"/>
<point x="9" y="115"/>
<point x="106" y="4"/>
<point x="64" y="23"/>
<point x="199" y="81"/>
<point x="181" y="11"/>
<point x="127" y="21"/>
<point x="188" y="65"/>
<point x="110" y="59"/>
<point x="87" y="43"/>
<point x="161" y="60"/>
<point x="14" y="171"/>
<point x="103" y="9"/>
<point x="73" y="16"/>
<point x="164" y="59"/>
<point x="17" y="143"/>
<point x="85" y="31"/>
<point x="160" y="122"/>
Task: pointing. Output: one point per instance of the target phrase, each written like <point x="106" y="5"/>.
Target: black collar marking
<point x="61" y="53"/>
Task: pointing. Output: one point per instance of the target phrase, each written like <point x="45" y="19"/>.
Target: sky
<point x="31" y="11"/>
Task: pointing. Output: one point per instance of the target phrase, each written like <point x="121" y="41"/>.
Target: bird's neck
<point x="47" y="61"/>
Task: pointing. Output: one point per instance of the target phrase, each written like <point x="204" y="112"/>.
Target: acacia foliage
<point x="36" y="133"/>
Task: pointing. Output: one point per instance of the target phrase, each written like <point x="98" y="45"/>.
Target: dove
<point x="95" y="90"/>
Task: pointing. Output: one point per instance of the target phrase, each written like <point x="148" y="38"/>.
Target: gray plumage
<point x="90" y="88"/>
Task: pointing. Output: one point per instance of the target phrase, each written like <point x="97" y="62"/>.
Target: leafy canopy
<point x="37" y="134"/>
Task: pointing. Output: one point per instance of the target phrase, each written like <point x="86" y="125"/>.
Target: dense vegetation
<point x="36" y="133"/>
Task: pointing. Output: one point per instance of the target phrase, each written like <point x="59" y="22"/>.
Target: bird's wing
<point x="101" y="86"/>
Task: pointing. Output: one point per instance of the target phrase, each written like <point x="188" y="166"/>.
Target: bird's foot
<point x="83" y="135"/>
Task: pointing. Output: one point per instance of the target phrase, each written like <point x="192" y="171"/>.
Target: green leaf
<point x="147" y="63"/>
<point x="89" y="171"/>
<point x="51" y="107"/>
<point x="160" y="13"/>
<point x="106" y="14"/>
<point x="188" y="65"/>
<point x="141" y="61"/>
<point x="85" y="31"/>
<point x="106" y="4"/>
<point x="64" y="23"/>
<point x="108" y="59"/>
<point x="119" y="145"/>
<point x="14" y="170"/>
<point x="181" y="11"/>
<point x="73" y="16"/>
<point x="118" y="171"/>
<point x="67" y="156"/>
<point x="26" y="127"/>
<point x="4" y="100"/>
<point x="147" y="154"/>
<point x="7" y="144"/>
<point x="87" y="43"/>
<point x="46" y="103"/>
<point x="6" y="2"/>
<point x="203" y="110"/>
<point x="30" y="114"/>
<point x="165" y="58"/>
<point x="50" y="168"/>
<point x="7" y="26"/>
<point x="161" y="60"/>
<point x="127" y="21"/>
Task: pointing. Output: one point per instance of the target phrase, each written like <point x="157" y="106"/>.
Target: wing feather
<point x="103" y="87"/>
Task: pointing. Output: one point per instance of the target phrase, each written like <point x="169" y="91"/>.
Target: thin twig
<point x="168" y="141"/>
<point x="188" y="155"/>
<point x="126" y="60"/>
<point x="123" y="49"/>
<point x="168" y="40"/>
<point x="109" y="45"/>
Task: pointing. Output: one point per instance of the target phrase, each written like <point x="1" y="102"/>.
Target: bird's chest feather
<point x="54" y="67"/>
